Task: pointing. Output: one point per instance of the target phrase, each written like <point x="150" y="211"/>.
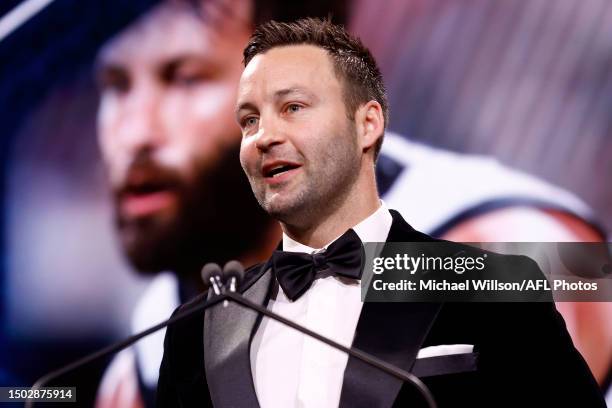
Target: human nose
<point x="269" y="135"/>
<point x="140" y="127"/>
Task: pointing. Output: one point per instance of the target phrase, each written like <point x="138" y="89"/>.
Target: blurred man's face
<point x="169" y="139"/>
<point x="299" y="148"/>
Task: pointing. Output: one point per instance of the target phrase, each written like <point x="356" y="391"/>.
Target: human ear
<point x="370" y="124"/>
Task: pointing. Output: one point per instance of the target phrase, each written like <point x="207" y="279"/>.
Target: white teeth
<point x="276" y="171"/>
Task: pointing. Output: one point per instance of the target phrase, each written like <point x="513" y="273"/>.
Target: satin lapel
<point x="393" y="332"/>
<point x="227" y="338"/>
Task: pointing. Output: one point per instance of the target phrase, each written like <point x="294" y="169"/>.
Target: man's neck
<point x="328" y="226"/>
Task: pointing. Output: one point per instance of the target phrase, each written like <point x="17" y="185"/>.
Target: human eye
<point x="113" y="80"/>
<point x="185" y="78"/>
<point x="249" y="122"/>
<point x="293" y="107"/>
<point x="187" y="73"/>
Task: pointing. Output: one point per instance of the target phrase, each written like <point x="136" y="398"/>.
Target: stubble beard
<point x="324" y="188"/>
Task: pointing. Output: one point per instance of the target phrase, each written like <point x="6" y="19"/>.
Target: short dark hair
<point x="353" y="62"/>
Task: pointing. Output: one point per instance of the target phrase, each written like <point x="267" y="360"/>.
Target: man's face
<point x="169" y="139"/>
<point x="299" y="148"/>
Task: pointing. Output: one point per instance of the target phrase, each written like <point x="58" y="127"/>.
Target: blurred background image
<point x="97" y="113"/>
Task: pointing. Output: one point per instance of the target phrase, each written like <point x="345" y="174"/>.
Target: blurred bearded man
<point x="170" y="145"/>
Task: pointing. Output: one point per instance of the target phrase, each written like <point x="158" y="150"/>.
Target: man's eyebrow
<point x="281" y="93"/>
<point x="176" y="60"/>
<point x="103" y="60"/>
<point x="249" y="106"/>
<point x="169" y="66"/>
<point x="105" y="65"/>
<point x="292" y="90"/>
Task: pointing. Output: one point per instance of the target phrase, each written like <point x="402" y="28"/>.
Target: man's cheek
<point x="108" y="112"/>
<point x="114" y="159"/>
<point x="176" y="156"/>
<point x="246" y="161"/>
<point x="109" y="137"/>
<point x="116" y="170"/>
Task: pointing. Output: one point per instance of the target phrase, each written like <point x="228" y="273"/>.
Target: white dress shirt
<point x="291" y="369"/>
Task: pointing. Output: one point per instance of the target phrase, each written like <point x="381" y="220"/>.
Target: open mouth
<point x="277" y="170"/>
<point x="146" y="188"/>
<point x="142" y="199"/>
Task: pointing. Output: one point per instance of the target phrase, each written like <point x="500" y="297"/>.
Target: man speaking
<point x="312" y="109"/>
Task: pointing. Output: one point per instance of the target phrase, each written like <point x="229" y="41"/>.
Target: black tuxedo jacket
<point x="523" y="355"/>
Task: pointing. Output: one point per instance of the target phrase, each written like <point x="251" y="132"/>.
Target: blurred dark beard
<point x="218" y="219"/>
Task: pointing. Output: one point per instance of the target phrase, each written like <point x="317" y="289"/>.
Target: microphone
<point x="234" y="272"/>
<point x="211" y="275"/>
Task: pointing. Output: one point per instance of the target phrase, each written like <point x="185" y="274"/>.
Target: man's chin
<point x="144" y="260"/>
<point x="146" y="246"/>
<point x="285" y="209"/>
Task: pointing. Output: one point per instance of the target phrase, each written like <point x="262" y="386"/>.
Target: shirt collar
<point x="375" y="228"/>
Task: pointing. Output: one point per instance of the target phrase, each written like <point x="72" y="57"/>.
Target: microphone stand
<point x="223" y="294"/>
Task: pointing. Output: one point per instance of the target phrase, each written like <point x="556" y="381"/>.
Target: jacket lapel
<point x="393" y="332"/>
<point x="227" y="338"/>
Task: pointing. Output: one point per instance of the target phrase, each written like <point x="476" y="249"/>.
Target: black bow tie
<point x="295" y="271"/>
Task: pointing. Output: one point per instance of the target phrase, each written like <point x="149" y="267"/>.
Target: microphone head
<point x="209" y="270"/>
<point x="234" y="269"/>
